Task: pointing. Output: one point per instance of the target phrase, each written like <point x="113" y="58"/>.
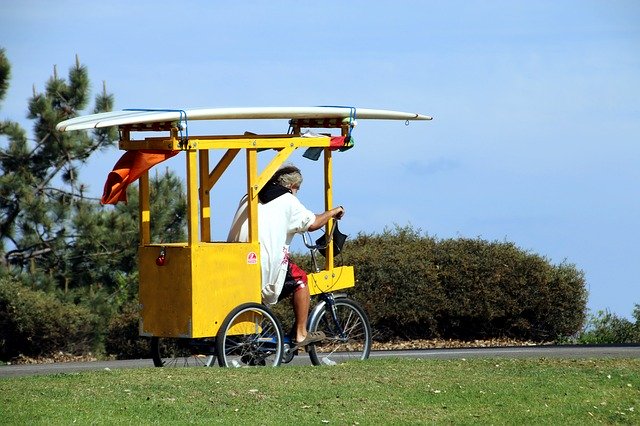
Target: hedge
<point x="417" y="286"/>
<point x="605" y="327"/>
<point x="34" y="323"/>
<point x="123" y="340"/>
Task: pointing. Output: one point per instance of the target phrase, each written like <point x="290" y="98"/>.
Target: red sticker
<point x="252" y="258"/>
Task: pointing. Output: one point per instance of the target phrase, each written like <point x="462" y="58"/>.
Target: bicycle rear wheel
<point x="250" y="336"/>
<point x="182" y="352"/>
<point x="348" y="334"/>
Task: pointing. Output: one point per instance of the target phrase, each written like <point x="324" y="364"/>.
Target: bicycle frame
<point x="328" y="299"/>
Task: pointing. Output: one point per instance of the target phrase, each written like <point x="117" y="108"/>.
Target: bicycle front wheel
<point x="348" y="333"/>
<point x="250" y="336"/>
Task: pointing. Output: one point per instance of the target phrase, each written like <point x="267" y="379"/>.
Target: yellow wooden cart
<point x="201" y="299"/>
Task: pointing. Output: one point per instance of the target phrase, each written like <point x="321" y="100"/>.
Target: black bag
<point x="338" y="239"/>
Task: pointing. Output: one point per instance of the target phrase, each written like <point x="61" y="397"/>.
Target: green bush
<point x="608" y="328"/>
<point x="123" y="339"/>
<point x="35" y="323"/>
<point x="416" y="286"/>
<point x="395" y="280"/>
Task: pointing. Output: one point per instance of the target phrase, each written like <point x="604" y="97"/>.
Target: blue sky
<point x="535" y="137"/>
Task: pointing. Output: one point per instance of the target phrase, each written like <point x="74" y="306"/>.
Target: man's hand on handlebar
<point x="323" y="218"/>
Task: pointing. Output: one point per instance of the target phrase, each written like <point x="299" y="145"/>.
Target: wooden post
<point x="252" y="192"/>
<point x="328" y="204"/>
<point x="205" y="196"/>
<point x="144" y="212"/>
<point x="192" y="196"/>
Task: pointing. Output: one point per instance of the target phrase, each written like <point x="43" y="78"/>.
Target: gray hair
<point x="288" y="176"/>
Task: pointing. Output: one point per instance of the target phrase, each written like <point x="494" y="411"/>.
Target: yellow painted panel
<point x="324" y="281"/>
<point x="192" y="294"/>
<point x="165" y="291"/>
<point x="225" y="275"/>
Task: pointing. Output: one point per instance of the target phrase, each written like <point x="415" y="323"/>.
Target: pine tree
<point x="52" y="236"/>
<point x="56" y="236"/>
<point x="40" y="189"/>
<point x="12" y="159"/>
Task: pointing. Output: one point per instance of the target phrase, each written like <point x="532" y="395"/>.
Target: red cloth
<point x="336" y="142"/>
<point x="128" y="169"/>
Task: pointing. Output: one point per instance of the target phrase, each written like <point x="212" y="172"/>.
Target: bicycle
<point x="344" y="322"/>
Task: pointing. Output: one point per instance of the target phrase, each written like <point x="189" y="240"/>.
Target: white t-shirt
<point x="278" y="222"/>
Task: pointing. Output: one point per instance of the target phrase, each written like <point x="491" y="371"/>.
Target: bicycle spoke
<point x="256" y="339"/>
<point x="182" y="352"/>
<point x="348" y="333"/>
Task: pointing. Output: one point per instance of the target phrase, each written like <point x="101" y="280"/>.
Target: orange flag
<point x="128" y="169"/>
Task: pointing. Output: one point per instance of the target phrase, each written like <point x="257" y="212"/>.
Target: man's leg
<point x="301" y="300"/>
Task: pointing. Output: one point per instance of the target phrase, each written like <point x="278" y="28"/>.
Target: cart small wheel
<point x="175" y="352"/>
<point x="250" y="335"/>
<point x="348" y="333"/>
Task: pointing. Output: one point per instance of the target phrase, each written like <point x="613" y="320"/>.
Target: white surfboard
<point x="139" y="116"/>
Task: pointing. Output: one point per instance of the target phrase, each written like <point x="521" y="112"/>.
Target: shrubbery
<point x="35" y="323"/>
<point x="123" y="339"/>
<point x="608" y="328"/>
<point x="416" y="286"/>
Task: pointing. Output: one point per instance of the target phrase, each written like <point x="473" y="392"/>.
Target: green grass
<point x="389" y="391"/>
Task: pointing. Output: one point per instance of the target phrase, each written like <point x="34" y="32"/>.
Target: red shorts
<point x="296" y="279"/>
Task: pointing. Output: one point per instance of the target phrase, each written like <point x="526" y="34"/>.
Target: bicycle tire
<point x="353" y="344"/>
<point x="182" y="352"/>
<point x="257" y="339"/>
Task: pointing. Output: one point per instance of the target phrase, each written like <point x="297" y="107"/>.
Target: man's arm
<point x="323" y="218"/>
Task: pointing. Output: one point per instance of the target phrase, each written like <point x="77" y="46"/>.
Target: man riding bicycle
<point x="281" y="215"/>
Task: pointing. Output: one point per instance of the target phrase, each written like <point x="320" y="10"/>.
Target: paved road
<point x="577" y="352"/>
<point x="565" y="351"/>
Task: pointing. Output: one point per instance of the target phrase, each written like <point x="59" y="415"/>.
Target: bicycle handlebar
<point x="306" y="235"/>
